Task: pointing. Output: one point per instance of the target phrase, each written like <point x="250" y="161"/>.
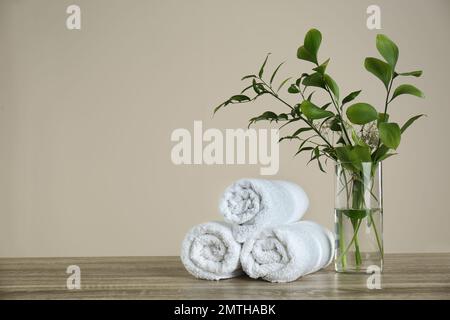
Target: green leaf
<point x="290" y="121"/>
<point x="385" y="156"/>
<point x="390" y="134"/>
<point x="283" y="83"/>
<point x="305" y="141"/>
<point x="350" y="97"/>
<point x="249" y="77"/>
<point x="246" y="88"/>
<point x="336" y="124"/>
<point x="410" y="122"/>
<point x="388" y="49"/>
<point x="299" y="80"/>
<point x="352" y="157"/>
<point x="252" y="86"/>
<point x="354" y="154"/>
<point x="382" y="117"/>
<point x="321" y="69"/>
<point x="332" y="85"/>
<point x="287" y="138"/>
<point x="325" y="106"/>
<point x="361" y="113"/>
<point x="308" y="51"/>
<point x="223" y="104"/>
<point x="343" y="153"/>
<point x="261" y="71"/>
<point x="416" y="73"/>
<point x="320" y="165"/>
<point x="303" y="149"/>
<point x="357" y="139"/>
<point x="239" y="98"/>
<point x="275" y="72"/>
<point x="380" y="69"/>
<point x="315" y="155"/>
<point x="297" y="110"/>
<point x="304" y="54"/>
<point x="361" y="153"/>
<point x="268" y="115"/>
<point x="312" y="42"/>
<point x="293" y="89"/>
<point x="379" y="153"/>
<point x="348" y="158"/>
<point x="407" y="89"/>
<point x="296" y="133"/>
<point x="356" y="214"/>
<point x="258" y="87"/>
<point x="313" y="112"/>
<point x="314" y="80"/>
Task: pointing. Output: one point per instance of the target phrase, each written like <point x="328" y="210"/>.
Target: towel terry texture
<point x="285" y="253"/>
<point x="209" y="251"/>
<point x="254" y="204"/>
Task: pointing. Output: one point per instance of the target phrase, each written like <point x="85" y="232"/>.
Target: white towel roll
<point x="210" y="252"/>
<point x="253" y="204"/>
<point x="285" y="253"/>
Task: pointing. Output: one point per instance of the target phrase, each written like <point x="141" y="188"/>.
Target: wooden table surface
<point x="406" y="276"/>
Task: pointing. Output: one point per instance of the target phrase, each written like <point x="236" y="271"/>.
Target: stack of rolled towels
<point x="262" y="235"/>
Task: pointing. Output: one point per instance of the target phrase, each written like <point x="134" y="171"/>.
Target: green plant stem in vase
<point x="356" y="137"/>
<point x="358" y="216"/>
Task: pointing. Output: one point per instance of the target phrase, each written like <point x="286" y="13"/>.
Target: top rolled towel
<point x="285" y="253"/>
<point x="253" y="204"/>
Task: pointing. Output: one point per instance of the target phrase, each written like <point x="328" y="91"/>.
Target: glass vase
<point x="358" y="217"/>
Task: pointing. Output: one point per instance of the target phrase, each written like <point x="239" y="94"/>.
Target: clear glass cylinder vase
<point x="358" y="216"/>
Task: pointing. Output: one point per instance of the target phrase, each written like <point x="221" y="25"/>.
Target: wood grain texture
<point x="406" y="276"/>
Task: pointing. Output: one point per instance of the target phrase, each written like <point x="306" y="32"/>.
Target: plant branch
<point x="387" y="95"/>
<point x="344" y="130"/>
<point x="307" y="122"/>
<point x="386" y="103"/>
<point x="272" y="93"/>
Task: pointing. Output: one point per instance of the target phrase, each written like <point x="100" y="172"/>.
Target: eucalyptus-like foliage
<point x="364" y="133"/>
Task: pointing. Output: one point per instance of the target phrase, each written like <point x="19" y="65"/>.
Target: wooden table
<point x="406" y="276"/>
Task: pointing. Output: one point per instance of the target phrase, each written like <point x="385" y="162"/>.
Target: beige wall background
<point x="86" y="116"/>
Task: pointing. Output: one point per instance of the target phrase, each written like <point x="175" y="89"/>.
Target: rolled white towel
<point x="210" y="252"/>
<point x="253" y="204"/>
<point x="285" y="253"/>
